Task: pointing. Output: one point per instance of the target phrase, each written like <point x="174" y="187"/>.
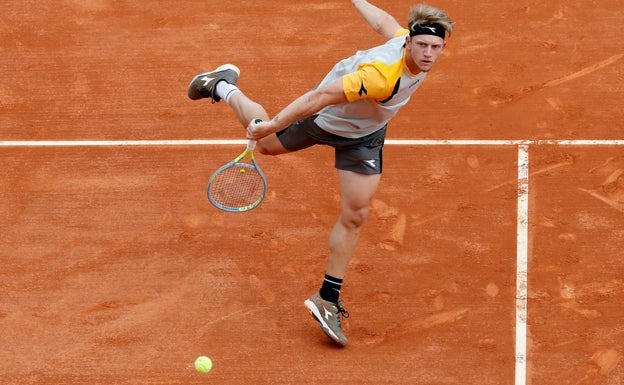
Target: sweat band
<point x="428" y="29"/>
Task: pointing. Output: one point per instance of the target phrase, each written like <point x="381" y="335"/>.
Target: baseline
<point x="221" y="142"/>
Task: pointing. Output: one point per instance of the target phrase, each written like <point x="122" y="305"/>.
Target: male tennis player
<point x="349" y="111"/>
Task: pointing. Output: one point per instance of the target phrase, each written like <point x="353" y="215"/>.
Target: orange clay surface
<point x="114" y="268"/>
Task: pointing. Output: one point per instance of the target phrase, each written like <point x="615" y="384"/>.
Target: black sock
<point x="330" y="291"/>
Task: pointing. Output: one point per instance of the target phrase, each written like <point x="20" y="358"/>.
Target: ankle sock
<point x="225" y="90"/>
<point x="330" y="291"/>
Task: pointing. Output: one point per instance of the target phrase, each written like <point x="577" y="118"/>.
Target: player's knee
<point x="355" y="218"/>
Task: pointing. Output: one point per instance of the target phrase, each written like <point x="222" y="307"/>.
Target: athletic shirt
<point x="376" y="82"/>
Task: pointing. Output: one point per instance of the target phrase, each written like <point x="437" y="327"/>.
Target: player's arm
<point x="306" y="105"/>
<point x="381" y="21"/>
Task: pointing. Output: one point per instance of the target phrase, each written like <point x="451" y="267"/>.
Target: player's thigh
<point x="357" y="190"/>
<point x="271" y="145"/>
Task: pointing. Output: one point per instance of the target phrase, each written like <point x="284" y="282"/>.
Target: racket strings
<point x="237" y="187"/>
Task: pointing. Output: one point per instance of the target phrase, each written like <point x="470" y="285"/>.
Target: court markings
<point x="522" y="224"/>
<point x="522" y="242"/>
<point x="220" y="142"/>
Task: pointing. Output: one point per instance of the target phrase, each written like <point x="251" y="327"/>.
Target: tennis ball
<point x="242" y="170"/>
<point x="203" y="364"/>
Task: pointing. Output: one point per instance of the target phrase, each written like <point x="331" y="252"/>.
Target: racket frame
<point x="249" y="152"/>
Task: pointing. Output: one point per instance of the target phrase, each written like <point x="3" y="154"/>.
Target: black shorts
<point x="362" y="155"/>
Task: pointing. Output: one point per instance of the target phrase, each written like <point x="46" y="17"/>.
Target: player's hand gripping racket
<point x="239" y="185"/>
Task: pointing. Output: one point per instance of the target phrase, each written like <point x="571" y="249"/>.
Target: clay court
<point x="493" y="255"/>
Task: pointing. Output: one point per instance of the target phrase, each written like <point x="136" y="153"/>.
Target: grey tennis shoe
<point x="204" y="84"/>
<point x="328" y="315"/>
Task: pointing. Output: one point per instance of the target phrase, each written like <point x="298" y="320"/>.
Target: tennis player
<point x="349" y="110"/>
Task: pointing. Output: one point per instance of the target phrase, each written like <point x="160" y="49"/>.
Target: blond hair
<point x="425" y="14"/>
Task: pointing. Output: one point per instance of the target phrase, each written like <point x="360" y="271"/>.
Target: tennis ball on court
<point x="203" y="364"/>
<point x="242" y="170"/>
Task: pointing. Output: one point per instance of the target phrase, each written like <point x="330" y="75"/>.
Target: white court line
<point x="104" y="143"/>
<point x="212" y="142"/>
<point x="475" y="142"/>
<point x="522" y="242"/>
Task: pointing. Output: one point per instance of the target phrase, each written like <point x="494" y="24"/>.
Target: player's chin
<point x="425" y="65"/>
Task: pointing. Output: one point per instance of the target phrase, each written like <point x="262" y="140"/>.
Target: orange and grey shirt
<point x="376" y="82"/>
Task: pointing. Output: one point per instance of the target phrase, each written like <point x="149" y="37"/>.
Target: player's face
<point x="423" y="51"/>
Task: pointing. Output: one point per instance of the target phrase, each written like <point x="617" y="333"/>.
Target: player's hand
<point x="258" y="130"/>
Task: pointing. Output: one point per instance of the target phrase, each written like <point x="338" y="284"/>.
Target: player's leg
<point x="246" y="109"/>
<point x="357" y="191"/>
<point x="220" y="84"/>
<point x="359" y="164"/>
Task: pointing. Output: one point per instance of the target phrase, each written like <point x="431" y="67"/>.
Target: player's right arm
<point x="381" y="21"/>
<point x="368" y="82"/>
<point x="305" y="105"/>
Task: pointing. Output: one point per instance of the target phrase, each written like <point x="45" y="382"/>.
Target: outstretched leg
<point x="246" y="110"/>
<point x="220" y="84"/>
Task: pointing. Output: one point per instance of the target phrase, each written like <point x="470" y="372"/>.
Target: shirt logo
<point x="362" y="90"/>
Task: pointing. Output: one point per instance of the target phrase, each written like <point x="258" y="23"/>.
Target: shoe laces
<point x="343" y="312"/>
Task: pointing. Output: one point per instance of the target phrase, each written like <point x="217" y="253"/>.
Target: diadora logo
<point x="370" y="163"/>
<point x="432" y="29"/>
<point x="363" y="90"/>
<point x="327" y="313"/>
<point x="206" y="80"/>
<point x="415" y="83"/>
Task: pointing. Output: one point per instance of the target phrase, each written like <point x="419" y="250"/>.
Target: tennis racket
<point x="239" y="185"/>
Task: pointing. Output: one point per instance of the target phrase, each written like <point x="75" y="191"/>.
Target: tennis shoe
<point x="204" y="84"/>
<point x="328" y="315"/>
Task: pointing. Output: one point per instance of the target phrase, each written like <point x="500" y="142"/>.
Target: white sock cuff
<point x="225" y="90"/>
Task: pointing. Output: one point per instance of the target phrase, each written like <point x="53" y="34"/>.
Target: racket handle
<point x="251" y="145"/>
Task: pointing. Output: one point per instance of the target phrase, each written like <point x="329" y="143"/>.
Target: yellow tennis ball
<point x="203" y="364"/>
<point x="242" y="170"/>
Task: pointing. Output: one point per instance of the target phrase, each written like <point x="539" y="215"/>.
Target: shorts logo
<point x="370" y="163"/>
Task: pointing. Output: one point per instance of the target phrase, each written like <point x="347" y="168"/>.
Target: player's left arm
<point x="381" y="21"/>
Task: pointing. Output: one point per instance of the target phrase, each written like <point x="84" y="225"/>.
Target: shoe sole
<point x="317" y="316"/>
<point x="192" y="92"/>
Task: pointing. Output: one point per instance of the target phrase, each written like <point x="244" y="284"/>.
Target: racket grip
<point x="251" y="145"/>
